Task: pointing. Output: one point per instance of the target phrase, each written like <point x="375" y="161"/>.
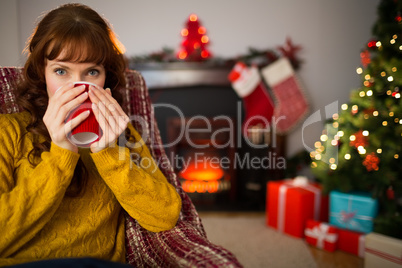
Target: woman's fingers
<point x="109" y="108"/>
<point x="67" y="93"/>
<point x="109" y="134"/>
<point x="74" y="122"/>
<point x="65" y="100"/>
<point x="75" y="103"/>
<point x="69" y="109"/>
<point x="105" y="96"/>
<point x="110" y="116"/>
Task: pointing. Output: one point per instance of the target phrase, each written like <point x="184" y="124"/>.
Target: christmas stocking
<point x="258" y="105"/>
<point x="290" y="105"/>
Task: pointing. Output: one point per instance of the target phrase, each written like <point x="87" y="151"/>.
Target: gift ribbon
<point x="301" y="182"/>
<point x="384" y="255"/>
<point x="320" y="232"/>
<point x="362" y="246"/>
<point x="341" y="217"/>
<point x="348" y="217"/>
<point x="352" y="222"/>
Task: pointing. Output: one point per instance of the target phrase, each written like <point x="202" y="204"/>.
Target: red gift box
<point x="321" y="235"/>
<point x="351" y="242"/>
<point x="290" y="203"/>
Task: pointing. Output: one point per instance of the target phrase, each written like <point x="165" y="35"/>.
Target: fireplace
<point x="203" y="157"/>
<point x="199" y="116"/>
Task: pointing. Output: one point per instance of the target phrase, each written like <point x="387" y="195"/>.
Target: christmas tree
<point x="194" y="42"/>
<point x="360" y="148"/>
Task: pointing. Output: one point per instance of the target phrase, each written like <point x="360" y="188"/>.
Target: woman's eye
<point x="93" y="72"/>
<point x="60" y="71"/>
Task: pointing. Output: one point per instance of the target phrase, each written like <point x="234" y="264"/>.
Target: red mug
<point x="88" y="131"/>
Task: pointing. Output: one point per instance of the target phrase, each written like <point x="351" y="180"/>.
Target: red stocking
<point x="291" y="105"/>
<point x="258" y="105"/>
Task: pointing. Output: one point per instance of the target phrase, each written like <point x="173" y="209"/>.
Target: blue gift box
<point x="353" y="211"/>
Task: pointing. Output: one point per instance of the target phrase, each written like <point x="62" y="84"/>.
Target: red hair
<point x="83" y="36"/>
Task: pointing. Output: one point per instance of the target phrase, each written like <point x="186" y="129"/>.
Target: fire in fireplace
<point x="204" y="175"/>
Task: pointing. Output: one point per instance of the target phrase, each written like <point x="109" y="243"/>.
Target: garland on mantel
<point x="255" y="56"/>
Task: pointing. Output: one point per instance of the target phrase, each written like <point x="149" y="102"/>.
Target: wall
<point x="332" y="33"/>
<point x="9" y="31"/>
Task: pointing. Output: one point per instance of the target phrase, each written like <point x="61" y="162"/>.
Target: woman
<point x="58" y="200"/>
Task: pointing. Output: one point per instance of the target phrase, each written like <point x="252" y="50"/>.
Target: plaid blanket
<point x="186" y="245"/>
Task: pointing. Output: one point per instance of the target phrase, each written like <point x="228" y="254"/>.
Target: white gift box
<point x="382" y="251"/>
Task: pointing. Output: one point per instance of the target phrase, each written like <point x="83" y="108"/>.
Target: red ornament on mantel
<point x="195" y="41"/>
<point x="290" y="50"/>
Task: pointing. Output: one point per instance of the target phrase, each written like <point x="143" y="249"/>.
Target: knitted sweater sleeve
<point x="139" y="186"/>
<point x="29" y="196"/>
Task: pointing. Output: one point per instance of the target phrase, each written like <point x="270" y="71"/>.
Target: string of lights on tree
<point x="364" y="110"/>
<point x="360" y="148"/>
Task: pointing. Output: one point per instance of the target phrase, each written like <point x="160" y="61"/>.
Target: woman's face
<point x="58" y="73"/>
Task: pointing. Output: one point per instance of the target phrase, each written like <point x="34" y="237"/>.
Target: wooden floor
<point x="324" y="259"/>
<point x="336" y="259"/>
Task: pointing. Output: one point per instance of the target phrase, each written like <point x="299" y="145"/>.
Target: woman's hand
<point x="110" y="116"/>
<point x="60" y="104"/>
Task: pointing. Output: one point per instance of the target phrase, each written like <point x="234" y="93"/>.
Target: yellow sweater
<point x="38" y="222"/>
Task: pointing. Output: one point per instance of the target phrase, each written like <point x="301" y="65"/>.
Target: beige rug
<point x="254" y="243"/>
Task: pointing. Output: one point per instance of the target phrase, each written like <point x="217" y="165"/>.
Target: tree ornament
<point x="396" y="93"/>
<point x="371" y="162"/>
<point x="359" y="140"/>
<point x="372" y="44"/>
<point x="368" y="111"/>
<point x="365" y="58"/>
<point x="398" y="17"/>
<point x="195" y="41"/>
<point x="390" y="193"/>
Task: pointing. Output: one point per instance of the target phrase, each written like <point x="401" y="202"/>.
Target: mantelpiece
<point x="183" y="74"/>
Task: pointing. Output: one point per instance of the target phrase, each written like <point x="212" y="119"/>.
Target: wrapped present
<point x="352" y="211"/>
<point x="351" y="242"/>
<point x="321" y="235"/>
<point x="382" y="251"/>
<point x="291" y="202"/>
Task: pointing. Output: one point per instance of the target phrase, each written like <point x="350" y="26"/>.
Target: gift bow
<point x="302" y="182"/>
<point x="320" y="232"/>
<point x="347" y="216"/>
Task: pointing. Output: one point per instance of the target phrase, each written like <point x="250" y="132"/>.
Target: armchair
<point x="186" y="245"/>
